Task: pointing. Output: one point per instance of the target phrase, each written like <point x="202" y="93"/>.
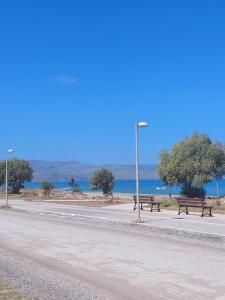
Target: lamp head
<point x="142" y="125"/>
<point x="9" y="150"/>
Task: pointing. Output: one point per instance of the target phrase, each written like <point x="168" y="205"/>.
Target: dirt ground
<point x="97" y="199"/>
<point x="67" y="197"/>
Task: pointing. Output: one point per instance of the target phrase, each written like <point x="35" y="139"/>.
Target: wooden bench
<point x="194" y="202"/>
<point x="147" y="200"/>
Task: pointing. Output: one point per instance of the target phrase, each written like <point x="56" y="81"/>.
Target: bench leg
<point x="187" y="212"/>
<point x="179" y="211"/>
<point x="141" y="206"/>
<point x="159" y="207"/>
<point x="202" y="212"/>
<point x="151" y="210"/>
<point x="134" y="206"/>
<point x="210" y="212"/>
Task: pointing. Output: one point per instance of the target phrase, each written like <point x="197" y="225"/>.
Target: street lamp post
<point x="137" y="126"/>
<point x="6" y="174"/>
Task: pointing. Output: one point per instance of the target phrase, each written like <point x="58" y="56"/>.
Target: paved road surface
<point x="166" y="219"/>
<point x="51" y="252"/>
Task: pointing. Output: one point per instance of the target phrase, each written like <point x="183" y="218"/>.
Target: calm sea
<point x="146" y="187"/>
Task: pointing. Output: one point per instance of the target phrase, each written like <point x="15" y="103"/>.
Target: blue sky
<point x="76" y="75"/>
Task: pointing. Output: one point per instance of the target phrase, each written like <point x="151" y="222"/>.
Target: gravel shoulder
<point x="9" y="293"/>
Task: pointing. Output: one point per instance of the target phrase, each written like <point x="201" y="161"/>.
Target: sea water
<point x="156" y="187"/>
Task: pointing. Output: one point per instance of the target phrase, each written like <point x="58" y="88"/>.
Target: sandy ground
<point x="63" y="195"/>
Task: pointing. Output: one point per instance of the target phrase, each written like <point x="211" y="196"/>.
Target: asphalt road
<point x="164" y="220"/>
<point x="52" y="251"/>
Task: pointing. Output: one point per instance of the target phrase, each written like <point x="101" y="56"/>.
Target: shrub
<point x="46" y="188"/>
<point x="75" y="187"/>
<point x="193" y="191"/>
<point x="165" y="203"/>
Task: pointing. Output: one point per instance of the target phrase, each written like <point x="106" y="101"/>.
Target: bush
<point x="193" y="191"/>
<point x="169" y="203"/>
<point x="75" y="187"/>
<point x="165" y="203"/>
<point x="46" y="188"/>
<point x="77" y="190"/>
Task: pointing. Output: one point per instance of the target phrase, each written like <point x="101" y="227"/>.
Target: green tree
<point x="192" y="163"/>
<point x="75" y="187"/>
<point x="46" y="188"/>
<point x="103" y="179"/>
<point x="19" y="172"/>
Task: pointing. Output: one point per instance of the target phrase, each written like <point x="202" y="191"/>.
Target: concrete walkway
<point x="170" y="219"/>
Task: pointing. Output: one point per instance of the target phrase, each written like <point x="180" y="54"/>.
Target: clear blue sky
<point x="76" y="75"/>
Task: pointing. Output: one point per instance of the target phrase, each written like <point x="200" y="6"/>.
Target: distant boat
<point x="161" y="188"/>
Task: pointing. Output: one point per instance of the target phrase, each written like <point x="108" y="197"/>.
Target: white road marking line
<point x="128" y="214"/>
<point x="121" y="213"/>
<point x="130" y="222"/>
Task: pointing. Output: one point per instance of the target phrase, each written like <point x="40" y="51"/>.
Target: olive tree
<point x="19" y="172"/>
<point x="103" y="179"/>
<point x="46" y="188"/>
<point x="192" y="163"/>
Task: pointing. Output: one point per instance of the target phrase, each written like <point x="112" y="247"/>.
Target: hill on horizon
<point x="64" y="170"/>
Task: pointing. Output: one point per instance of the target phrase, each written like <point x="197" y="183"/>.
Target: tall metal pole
<point x="137" y="175"/>
<point x="6" y="178"/>
<point x="217" y="189"/>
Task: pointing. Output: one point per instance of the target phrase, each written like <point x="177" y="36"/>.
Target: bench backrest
<point x="186" y="200"/>
<point x="145" y="198"/>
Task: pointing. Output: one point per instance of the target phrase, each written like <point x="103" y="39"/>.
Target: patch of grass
<point x="172" y="204"/>
<point x="218" y="206"/>
<point x="8" y="293"/>
<point x="165" y="203"/>
<point x="5" y="207"/>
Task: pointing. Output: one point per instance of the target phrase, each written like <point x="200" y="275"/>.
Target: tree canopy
<point x="192" y="163"/>
<point x="103" y="179"/>
<point x="19" y="172"/>
<point x="46" y="188"/>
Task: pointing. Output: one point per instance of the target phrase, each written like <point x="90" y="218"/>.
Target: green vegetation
<point x="19" y="172"/>
<point x="7" y="293"/>
<point x="218" y="205"/>
<point x="169" y="203"/>
<point x="5" y="207"/>
<point x="192" y="163"/>
<point x="103" y="179"/>
<point x="46" y="188"/>
<point x="75" y="187"/>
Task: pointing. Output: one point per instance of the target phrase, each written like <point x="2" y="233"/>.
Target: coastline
<point x="153" y="187"/>
<point x="97" y="199"/>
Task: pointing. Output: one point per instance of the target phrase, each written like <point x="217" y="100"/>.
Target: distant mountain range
<point x="64" y="170"/>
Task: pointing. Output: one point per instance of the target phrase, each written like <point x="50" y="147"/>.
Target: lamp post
<point x="137" y="126"/>
<point x="6" y="174"/>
